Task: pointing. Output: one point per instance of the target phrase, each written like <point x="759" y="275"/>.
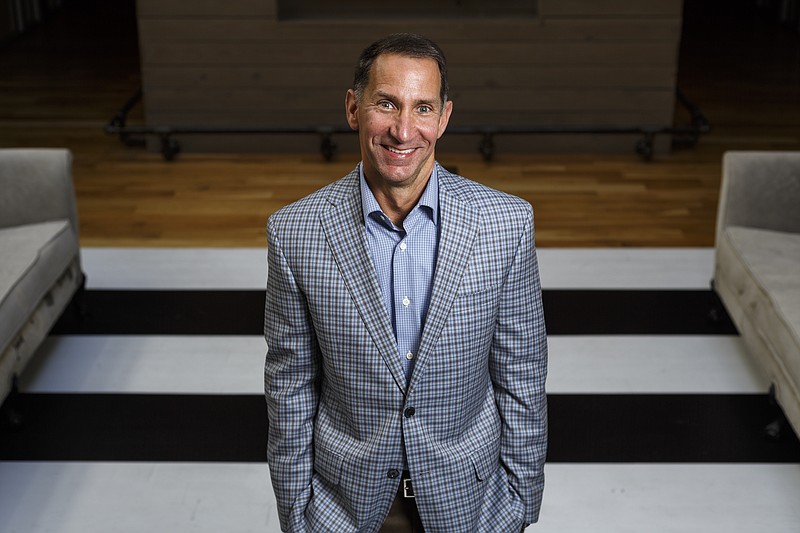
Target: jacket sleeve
<point x="291" y="387"/>
<point x="518" y="367"/>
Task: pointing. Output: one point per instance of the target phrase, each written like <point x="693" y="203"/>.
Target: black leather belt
<point x="406" y="486"/>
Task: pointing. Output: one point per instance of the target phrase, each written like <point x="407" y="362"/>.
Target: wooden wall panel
<point x="549" y="29"/>
<point x="605" y="8"/>
<point x="464" y="77"/>
<point x="333" y="116"/>
<point x="576" y="54"/>
<point x="450" y="145"/>
<point x="206" y="8"/>
<point x="486" y="100"/>
<point x="579" y="62"/>
<point x="441" y="9"/>
<point x="7" y="24"/>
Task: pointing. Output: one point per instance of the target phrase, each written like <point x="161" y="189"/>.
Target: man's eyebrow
<point x="386" y="95"/>
<point x="393" y="98"/>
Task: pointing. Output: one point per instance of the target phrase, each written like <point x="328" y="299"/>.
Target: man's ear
<point x="351" y="109"/>
<point x="444" y="118"/>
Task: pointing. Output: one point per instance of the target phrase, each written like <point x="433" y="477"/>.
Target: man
<point x="407" y="352"/>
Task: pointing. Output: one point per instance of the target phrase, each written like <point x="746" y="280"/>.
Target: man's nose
<point x="402" y="126"/>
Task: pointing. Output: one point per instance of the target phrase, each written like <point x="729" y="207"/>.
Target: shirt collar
<point x="429" y="198"/>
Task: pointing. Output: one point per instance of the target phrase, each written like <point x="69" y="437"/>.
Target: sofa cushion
<point x="763" y="268"/>
<point x="34" y="257"/>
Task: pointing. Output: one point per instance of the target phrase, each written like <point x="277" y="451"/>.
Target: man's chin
<point x="402" y="171"/>
<point x="399" y="173"/>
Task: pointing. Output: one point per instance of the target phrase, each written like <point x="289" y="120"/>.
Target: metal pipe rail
<point x="644" y="147"/>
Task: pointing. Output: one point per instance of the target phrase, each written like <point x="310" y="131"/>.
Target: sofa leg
<point x="715" y="313"/>
<point x="10" y="416"/>
<point x="777" y="428"/>
<point x="79" y="304"/>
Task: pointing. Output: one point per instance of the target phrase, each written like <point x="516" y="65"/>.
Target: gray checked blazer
<point x="473" y="416"/>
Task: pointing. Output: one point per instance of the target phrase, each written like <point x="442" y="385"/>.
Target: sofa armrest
<point x="760" y="190"/>
<point x="36" y="185"/>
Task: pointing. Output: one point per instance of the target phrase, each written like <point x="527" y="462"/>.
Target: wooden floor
<point x="61" y="83"/>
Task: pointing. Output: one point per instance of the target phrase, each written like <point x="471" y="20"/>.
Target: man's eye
<point x="425" y="109"/>
<point x="385" y="105"/>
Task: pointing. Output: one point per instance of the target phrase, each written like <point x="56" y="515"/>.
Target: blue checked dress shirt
<point x="404" y="259"/>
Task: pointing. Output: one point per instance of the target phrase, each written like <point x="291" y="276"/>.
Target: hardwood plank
<point x="576" y="200"/>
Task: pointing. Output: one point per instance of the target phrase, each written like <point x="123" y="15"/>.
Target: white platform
<point x="237" y="498"/>
<point x="245" y="268"/>
<point x="38" y="497"/>
<point x="232" y="365"/>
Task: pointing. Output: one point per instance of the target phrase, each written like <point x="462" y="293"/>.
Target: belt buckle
<point x="408" y="489"/>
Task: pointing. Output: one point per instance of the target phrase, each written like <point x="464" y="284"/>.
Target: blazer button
<point x="409" y="412"/>
<point x="393" y="473"/>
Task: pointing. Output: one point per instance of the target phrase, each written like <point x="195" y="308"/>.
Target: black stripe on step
<point x="567" y="312"/>
<point x="643" y="312"/>
<point x="137" y="427"/>
<point x="166" y="312"/>
<point x="667" y="428"/>
<point x="232" y="428"/>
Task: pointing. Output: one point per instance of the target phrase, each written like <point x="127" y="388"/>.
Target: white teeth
<point x="403" y="152"/>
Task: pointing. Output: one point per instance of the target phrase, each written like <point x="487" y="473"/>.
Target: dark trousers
<point x="403" y="516"/>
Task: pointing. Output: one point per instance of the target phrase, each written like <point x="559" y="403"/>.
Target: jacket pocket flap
<point x="328" y="464"/>
<point x="485" y="460"/>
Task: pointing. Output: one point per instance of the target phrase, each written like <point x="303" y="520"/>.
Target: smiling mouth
<point x="397" y="151"/>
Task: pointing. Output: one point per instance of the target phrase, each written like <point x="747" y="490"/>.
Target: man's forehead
<point x="394" y="57"/>
<point x="431" y="68"/>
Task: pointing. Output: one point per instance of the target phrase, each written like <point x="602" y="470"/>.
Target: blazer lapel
<point x="459" y="227"/>
<point x="343" y="224"/>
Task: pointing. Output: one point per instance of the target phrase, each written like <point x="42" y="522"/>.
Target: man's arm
<point x="518" y="366"/>
<point x="291" y="388"/>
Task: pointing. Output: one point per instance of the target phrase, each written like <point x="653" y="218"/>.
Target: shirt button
<point x="409" y="412"/>
<point x="403" y="245"/>
<point x="406" y="301"/>
<point x="409" y="356"/>
<point x="393" y="473"/>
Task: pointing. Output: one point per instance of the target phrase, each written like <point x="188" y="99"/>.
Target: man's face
<point x="399" y="119"/>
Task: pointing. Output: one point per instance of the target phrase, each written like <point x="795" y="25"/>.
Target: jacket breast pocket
<point x="474" y="294"/>
<point x="475" y="311"/>
<point x="477" y="282"/>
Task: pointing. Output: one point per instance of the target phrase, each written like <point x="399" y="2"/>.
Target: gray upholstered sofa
<point x="40" y="267"/>
<point x="757" y="271"/>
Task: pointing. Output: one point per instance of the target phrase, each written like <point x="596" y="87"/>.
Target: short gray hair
<point x="403" y="44"/>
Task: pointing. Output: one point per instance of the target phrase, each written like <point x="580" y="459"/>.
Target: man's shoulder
<point x="310" y="205"/>
<point x="482" y="197"/>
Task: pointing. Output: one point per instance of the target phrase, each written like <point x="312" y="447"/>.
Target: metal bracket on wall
<point x="645" y="147"/>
